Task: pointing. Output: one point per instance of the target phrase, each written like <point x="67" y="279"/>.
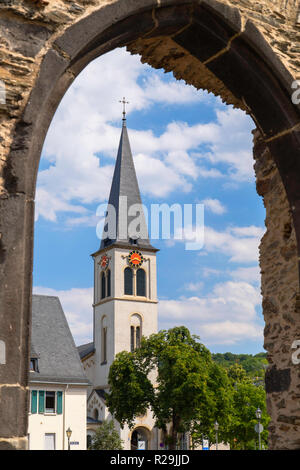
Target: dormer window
<point x="34" y="365"/>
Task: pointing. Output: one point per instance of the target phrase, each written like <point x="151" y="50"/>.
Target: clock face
<point x="135" y="259"/>
<point x="104" y="261"/>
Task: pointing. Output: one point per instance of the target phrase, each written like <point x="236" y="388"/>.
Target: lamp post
<point x="258" y="416"/>
<point x="216" y="426"/>
<point x="69" y="433"/>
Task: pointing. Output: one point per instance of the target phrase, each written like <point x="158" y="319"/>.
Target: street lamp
<point x="69" y="433"/>
<point x="216" y="426"/>
<point x="258" y="416"/>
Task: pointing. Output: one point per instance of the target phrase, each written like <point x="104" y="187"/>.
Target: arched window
<point x="135" y="331"/>
<point x="141" y="282"/>
<point x="128" y="284"/>
<point x="108" y="283"/>
<point x="104" y="340"/>
<point x="96" y="414"/>
<point x="103" y="290"/>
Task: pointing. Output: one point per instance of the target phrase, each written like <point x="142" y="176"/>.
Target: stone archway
<point x="140" y="438"/>
<point x="208" y="43"/>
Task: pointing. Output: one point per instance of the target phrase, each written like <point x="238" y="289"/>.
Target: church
<point x="125" y="298"/>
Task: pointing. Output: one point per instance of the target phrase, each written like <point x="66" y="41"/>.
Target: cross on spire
<point x="124" y="104"/>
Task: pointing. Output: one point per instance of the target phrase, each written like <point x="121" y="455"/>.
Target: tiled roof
<point x="85" y="350"/>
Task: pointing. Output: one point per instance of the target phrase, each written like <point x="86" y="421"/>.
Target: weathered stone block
<point x="277" y="380"/>
<point x="25" y="38"/>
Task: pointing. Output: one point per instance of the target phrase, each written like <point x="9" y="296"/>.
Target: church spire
<point x="124" y="194"/>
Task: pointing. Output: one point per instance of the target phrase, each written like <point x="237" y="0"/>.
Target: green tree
<point x="215" y="406"/>
<point x="106" y="437"/>
<point x="180" y="366"/>
<point x="246" y="398"/>
<point x="236" y="374"/>
<point x="254" y="365"/>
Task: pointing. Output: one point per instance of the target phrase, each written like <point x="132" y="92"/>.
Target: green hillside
<point x="254" y="365"/>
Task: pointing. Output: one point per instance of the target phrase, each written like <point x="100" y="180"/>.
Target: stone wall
<point x="28" y="27"/>
<point x="45" y="44"/>
<point x="280" y="288"/>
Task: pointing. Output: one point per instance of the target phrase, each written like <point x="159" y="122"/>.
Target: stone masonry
<point x="246" y="52"/>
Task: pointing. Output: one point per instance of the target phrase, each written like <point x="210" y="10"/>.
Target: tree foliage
<point x="181" y="366"/>
<point x="216" y="406"/>
<point x="173" y="374"/>
<point x="254" y="365"/>
<point x="246" y="398"/>
<point x="106" y="437"/>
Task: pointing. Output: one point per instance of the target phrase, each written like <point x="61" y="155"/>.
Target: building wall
<point x="119" y="308"/>
<point x="73" y="416"/>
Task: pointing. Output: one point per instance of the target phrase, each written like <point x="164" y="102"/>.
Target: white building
<point x="57" y="382"/>
<point x="125" y="298"/>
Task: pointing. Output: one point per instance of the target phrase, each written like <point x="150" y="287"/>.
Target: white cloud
<point x="194" y="286"/>
<point x="225" y="316"/>
<point x="229" y="333"/>
<point x="158" y="179"/>
<point x="214" y="205"/>
<point x="169" y="93"/>
<point x="49" y="210"/>
<point x="251" y="274"/>
<point x="77" y="305"/>
<point x="239" y="243"/>
<point x="83" y="132"/>
<point x="208" y="272"/>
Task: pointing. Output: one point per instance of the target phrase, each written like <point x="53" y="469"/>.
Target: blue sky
<point x="188" y="148"/>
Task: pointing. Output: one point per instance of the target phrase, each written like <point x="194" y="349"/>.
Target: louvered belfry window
<point x="108" y="279"/>
<point x="141" y="282"/>
<point x="103" y="293"/>
<point x="128" y="281"/>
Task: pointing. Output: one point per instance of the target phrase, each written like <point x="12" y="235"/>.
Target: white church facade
<point x="125" y="298"/>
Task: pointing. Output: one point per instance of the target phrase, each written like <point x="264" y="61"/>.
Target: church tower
<point x="125" y="296"/>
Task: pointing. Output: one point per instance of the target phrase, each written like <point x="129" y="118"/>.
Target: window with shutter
<point x="33" y="401"/>
<point x="41" y="401"/>
<point x="59" y="404"/>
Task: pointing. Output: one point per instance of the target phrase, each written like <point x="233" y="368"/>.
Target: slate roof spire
<point x="125" y="194"/>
